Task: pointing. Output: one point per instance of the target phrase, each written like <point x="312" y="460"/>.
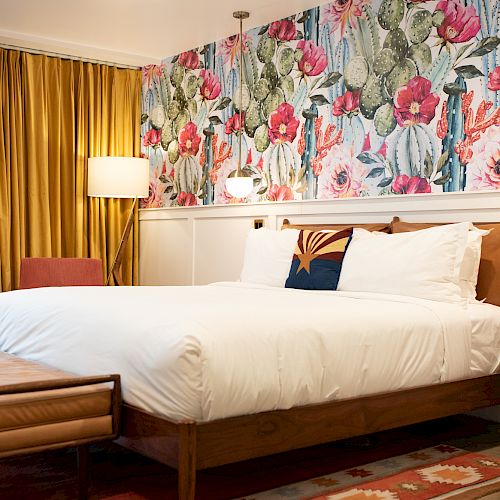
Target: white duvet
<point x="229" y="349"/>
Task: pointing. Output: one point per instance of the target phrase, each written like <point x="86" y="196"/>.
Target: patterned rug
<point x="438" y="472"/>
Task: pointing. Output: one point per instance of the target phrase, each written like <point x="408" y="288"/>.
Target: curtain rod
<point x="65" y="56"/>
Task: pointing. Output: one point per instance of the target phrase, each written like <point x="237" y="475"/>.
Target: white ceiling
<point x="134" y="32"/>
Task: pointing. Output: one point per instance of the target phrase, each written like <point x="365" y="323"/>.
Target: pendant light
<point x="239" y="183"/>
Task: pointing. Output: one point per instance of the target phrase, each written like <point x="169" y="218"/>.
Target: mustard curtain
<point x="54" y="114"/>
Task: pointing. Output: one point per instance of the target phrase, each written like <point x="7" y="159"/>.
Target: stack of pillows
<point x="440" y="263"/>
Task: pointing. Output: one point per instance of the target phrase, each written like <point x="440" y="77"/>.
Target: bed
<point x="219" y="388"/>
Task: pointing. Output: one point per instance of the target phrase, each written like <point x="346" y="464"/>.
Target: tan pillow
<point x="382" y="227"/>
<point x="488" y="283"/>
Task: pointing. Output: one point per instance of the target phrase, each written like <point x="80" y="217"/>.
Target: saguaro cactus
<point x="310" y="152"/>
<point x="453" y="168"/>
<point x="208" y="199"/>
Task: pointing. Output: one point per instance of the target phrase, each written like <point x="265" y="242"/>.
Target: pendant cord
<point x="241" y="98"/>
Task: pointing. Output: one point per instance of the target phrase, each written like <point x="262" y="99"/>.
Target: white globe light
<point x="239" y="186"/>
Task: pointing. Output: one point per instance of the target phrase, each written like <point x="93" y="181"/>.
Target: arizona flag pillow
<point x="317" y="260"/>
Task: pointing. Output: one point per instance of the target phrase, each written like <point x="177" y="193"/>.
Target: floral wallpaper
<point x="352" y="98"/>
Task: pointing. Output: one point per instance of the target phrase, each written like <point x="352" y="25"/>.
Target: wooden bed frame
<point x="189" y="446"/>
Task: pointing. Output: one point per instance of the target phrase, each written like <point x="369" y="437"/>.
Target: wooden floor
<point x="120" y="474"/>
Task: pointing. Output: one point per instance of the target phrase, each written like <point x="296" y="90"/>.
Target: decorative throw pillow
<point x="318" y="259"/>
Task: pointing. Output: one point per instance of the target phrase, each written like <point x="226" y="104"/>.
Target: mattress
<point x="228" y="349"/>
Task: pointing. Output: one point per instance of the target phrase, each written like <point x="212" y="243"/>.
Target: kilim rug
<point x="439" y="472"/>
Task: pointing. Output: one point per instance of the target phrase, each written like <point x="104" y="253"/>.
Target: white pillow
<point x="424" y="264"/>
<point x="268" y="256"/>
<point x="470" y="265"/>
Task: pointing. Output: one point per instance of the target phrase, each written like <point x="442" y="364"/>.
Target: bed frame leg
<point x="82" y="453"/>
<point x="187" y="461"/>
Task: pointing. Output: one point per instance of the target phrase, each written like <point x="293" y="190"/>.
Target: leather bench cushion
<point x="34" y="408"/>
<point x="28" y="439"/>
<point x="40" y="407"/>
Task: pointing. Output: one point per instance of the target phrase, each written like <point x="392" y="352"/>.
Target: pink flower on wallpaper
<point x="414" y="103"/>
<point x="342" y="174"/>
<point x="339" y="12"/>
<point x="346" y="103"/>
<point x="152" y="137"/>
<point x="150" y="73"/>
<point x="282" y="124"/>
<point x="229" y="47"/>
<point x="403" y="184"/>
<point x="279" y="193"/>
<point x="189" y="140"/>
<point x="284" y="30"/>
<point x="210" y="88"/>
<point x="494" y="79"/>
<point x="234" y="123"/>
<point x="189" y="59"/>
<point x="186" y="199"/>
<point x="156" y="191"/>
<point x="313" y="60"/>
<point x="460" y="24"/>
<point x="483" y="171"/>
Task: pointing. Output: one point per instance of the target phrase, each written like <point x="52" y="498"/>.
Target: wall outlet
<point x="258" y="223"/>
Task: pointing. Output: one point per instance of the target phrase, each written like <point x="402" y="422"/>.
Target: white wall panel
<point x="216" y="241"/>
<point x="165" y="252"/>
<point x="197" y="245"/>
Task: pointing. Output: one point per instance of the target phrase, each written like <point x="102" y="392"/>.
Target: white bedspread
<point x="228" y="349"/>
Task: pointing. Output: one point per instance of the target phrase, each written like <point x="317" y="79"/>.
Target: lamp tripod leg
<point x="115" y="268"/>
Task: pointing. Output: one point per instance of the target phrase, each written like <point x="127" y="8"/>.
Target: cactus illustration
<point x="177" y="75"/>
<point x="453" y="168"/>
<point x="407" y="148"/>
<point x="208" y="199"/>
<point x="286" y="84"/>
<point x="270" y="73"/>
<point x="391" y="13"/>
<point x="286" y="60"/>
<point x="420" y="26"/>
<point x="384" y="120"/>
<point x="489" y="15"/>
<point x="396" y="40"/>
<point x="311" y="25"/>
<point x="421" y="55"/>
<point x="209" y="162"/>
<point x="356" y="73"/>
<point x="187" y="175"/>
<point x="272" y="101"/>
<point x="384" y="61"/>
<point x="438" y="71"/>
<point x="281" y="160"/>
<point x="354" y="133"/>
<point x="401" y="74"/>
<point x="261" y="89"/>
<point x="372" y="97"/>
<point x="266" y="48"/>
<point x="261" y="138"/>
<point x="310" y="152"/>
<point x="252" y="118"/>
<point x="157" y="117"/>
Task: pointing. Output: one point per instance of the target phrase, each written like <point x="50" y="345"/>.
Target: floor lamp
<point x="119" y="177"/>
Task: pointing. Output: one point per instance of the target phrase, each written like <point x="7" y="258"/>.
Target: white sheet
<point x="228" y="349"/>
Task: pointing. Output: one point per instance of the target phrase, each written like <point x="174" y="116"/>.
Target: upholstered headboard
<point x="382" y="227"/>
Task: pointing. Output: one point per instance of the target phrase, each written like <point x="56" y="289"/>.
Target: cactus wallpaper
<point x="352" y="98"/>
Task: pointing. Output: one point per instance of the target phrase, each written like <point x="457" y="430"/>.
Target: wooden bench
<point x="42" y="409"/>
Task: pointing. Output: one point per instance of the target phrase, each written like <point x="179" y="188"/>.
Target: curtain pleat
<point x="54" y="115"/>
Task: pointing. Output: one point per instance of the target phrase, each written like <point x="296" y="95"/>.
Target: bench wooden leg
<point x="82" y="455"/>
<point x="187" y="462"/>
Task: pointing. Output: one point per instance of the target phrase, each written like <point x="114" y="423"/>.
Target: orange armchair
<point x="43" y="272"/>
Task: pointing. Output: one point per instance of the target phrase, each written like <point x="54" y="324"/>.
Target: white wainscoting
<point x="199" y="245"/>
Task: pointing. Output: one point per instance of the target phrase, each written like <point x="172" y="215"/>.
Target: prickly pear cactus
<point x="420" y="26"/>
<point x="356" y="74"/>
<point x="266" y="48"/>
<point x="373" y="96"/>
<point x="455" y="132"/>
<point x="384" y="120"/>
<point x="391" y="13"/>
<point x="421" y="55"/>
<point x="400" y="75"/>
<point x="396" y="40"/>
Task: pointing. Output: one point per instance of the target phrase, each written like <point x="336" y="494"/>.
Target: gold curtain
<point x="54" y="114"/>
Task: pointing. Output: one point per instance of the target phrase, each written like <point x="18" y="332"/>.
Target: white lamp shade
<point x="239" y="187"/>
<point x="118" y="177"/>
